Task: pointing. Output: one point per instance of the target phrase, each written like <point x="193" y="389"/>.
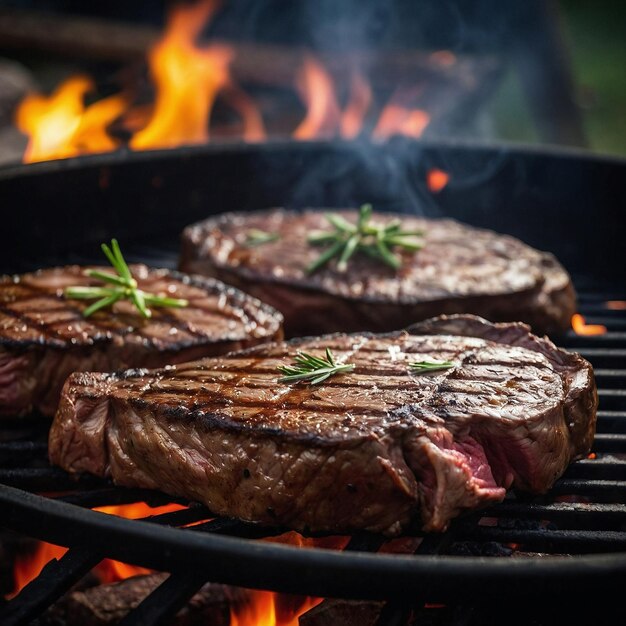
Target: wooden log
<point x="87" y="38"/>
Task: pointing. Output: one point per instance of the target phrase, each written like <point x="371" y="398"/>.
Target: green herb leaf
<point x="377" y="241"/>
<point x="258" y="237"/>
<point x="420" y="367"/>
<point x="122" y="286"/>
<point x="313" y="369"/>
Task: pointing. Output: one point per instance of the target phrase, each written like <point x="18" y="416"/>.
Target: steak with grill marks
<point x="376" y="448"/>
<point x="460" y="269"/>
<point x="44" y="336"/>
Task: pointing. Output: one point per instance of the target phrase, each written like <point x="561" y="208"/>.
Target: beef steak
<point x="375" y="448"/>
<point x="44" y="336"/>
<point x="460" y="269"/>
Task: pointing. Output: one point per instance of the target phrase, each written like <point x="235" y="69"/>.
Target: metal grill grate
<point x="486" y="560"/>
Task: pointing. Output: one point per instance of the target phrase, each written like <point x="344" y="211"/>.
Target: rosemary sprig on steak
<point x="258" y="237"/>
<point x="420" y="367"/>
<point x="120" y="287"/>
<point x="313" y="369"/>
<point x="375" y="240"/>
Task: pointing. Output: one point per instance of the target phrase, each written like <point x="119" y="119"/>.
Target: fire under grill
<point x="564" y="552"/>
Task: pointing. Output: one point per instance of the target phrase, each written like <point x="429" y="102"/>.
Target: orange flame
<point x="354" y="113"/>
<point x="399" y="120"/>
<point x="616" y="305"/>
<point x="580" y="327"/>
<point x="61" y="126"/>
<point x="28" y="567"/>
<point x="188" y="80"/>
<point x="436" y="180"/>
<point x="317" y="90"/>
<point x="266" y="608"/>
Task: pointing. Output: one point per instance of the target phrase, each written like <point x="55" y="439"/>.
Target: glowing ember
<point x="61" y="125"/>
<point x="28" y="567"/>
<point x="187" y="78"/>
<point x="580" y="327"/>
<point x="616" y="305"/>
<point x="436" y="180"/>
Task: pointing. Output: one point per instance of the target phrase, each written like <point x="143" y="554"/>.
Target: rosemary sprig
<point x="121" y="287"/>
<point x="375" y="240"/>
<point x="420" y="367"/>
<point x="313" y="369"/>
<point x="258" y="237"/>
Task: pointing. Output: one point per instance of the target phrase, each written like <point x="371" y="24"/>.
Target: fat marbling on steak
<point x="377" y="448"/>
<point x="44" y="336"/>
<point x="460" y="269"/>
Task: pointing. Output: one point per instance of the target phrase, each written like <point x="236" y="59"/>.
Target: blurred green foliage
<point x="595" y="33"/>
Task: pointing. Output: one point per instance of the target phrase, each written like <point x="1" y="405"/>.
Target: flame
<point x="616" y="305"/>
<point x="353" y="115"/>
<point x="317" y="90"/>
<point x="267" y="608"/>
<point x="580" y="327"/>
<point x="28" y="567"/>
<point x="61" y="126"/>
<point x="240" y="101"/>
<point x="400" y="120"/>
<point x="187" y="78"/>
<point x="436" y="180"/>
<point x="262" y="608"/>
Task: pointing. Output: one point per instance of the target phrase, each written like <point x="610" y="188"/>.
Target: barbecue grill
<point x="564" y="551"/>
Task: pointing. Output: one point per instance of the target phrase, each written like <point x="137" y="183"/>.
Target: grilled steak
<point x="376" y="448"/>
<point x="460" y="269"/>
<point x="44" y="336"/>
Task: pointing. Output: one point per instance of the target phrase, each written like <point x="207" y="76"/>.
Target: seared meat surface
<point x="378" y="448"/>
<point x="460" y="269"/>
<point x="44" y="336"/>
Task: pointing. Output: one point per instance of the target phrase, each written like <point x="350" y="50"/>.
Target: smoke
<point x="391" y="172"/>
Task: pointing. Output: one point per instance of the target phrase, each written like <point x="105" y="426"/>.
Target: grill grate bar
<point x="576" y="342"/>
<point x="607" y="358"/>
<point x="611" y="421"/>
<point x="610" y="378"/>
<point x="598" y="489"/>
<point x="165" y="601"/>
<point x="609" y="442"/>
<point x="21" y="452"/>
<point x="46" y="479"/>
<point x="114" y="496"/>
<point x="553" y="541"/>
<point x="612" y="399"/>
<point x="569" y="513"/>
<point x="612" y="469"/>
<point x="55" y="579"/>
<point x="237" y="528"/>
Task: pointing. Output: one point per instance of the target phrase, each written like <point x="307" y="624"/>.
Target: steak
<point x="460" y="269"/>
<point x="379" y="448"/>
<point x="44" y="336"/>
